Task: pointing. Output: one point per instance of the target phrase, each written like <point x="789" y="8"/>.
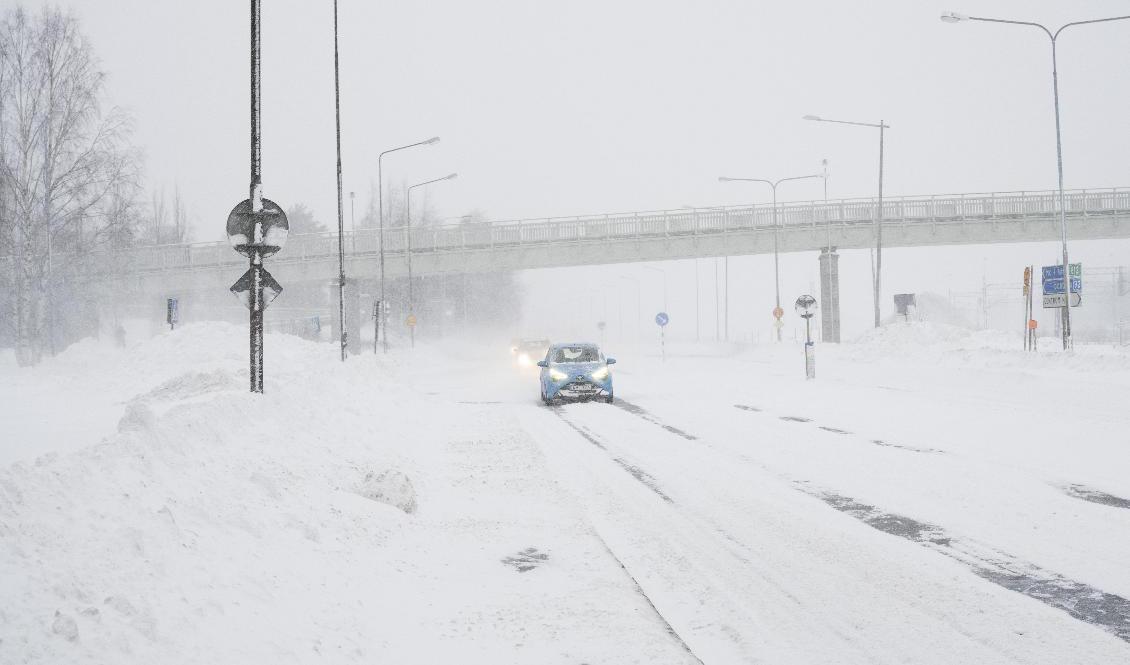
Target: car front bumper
<point x="580" y="389"/>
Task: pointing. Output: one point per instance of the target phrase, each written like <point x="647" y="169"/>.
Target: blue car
<point x="575" y="372"/>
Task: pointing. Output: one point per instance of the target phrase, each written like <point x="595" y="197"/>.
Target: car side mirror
<point x="610" y="361"/>
<point x="542" y="363"/>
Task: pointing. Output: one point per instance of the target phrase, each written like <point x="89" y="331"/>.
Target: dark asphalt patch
<point x="746" y="407"/>
<point x="646" y="415"/>
<point x="636" y="472"/>
<point x="1095" y="496"/>
<point x="526" y="560"/>
<point x="834" y="430"/>
<point x="796" y="419"/>
<point x="1079" y="600"/>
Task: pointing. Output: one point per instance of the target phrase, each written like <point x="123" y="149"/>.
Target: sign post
<point x="256" y="227"/>
<point x="806" y="308"/>
<point x="172" y="313"/>
<point x="377" y="310"/>
<point x="1053" y="282"/>
<point x="661" y="320"/>
<point x="903" y="303"/>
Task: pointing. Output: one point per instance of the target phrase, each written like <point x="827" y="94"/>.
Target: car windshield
<point x="576" y="354"/>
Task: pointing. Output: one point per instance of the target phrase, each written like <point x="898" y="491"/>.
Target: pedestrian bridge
<point x="914" y="221"/>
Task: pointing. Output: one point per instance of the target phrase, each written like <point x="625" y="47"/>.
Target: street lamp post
<point x="381" y="225"/>
<point x="408" y="232"/>
<point x="881" y="126"/>
<point x="951" y="17"/>
<point x="776" y="226"/>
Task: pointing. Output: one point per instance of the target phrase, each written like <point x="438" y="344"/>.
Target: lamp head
<point x="812" y="117"/>
<point x="953" y="17"/>
<point x="724" y="179"/>
<point x="453" y="176"/>
<point x="434" y="139"/>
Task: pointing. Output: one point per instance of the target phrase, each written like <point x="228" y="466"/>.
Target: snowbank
<point x="940" y="343"/>
<point x="343" y="516"/>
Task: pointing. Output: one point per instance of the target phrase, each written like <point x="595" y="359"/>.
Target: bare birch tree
<point x="65" y="166"/>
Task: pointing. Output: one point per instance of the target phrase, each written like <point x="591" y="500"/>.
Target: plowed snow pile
<point x="340" y="517"/>
<point x="944" y="344"/>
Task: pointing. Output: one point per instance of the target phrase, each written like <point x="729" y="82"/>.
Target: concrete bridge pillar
<point x="830" y="294"/>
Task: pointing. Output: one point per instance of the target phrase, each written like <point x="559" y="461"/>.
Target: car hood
<point x="577" y="369"/>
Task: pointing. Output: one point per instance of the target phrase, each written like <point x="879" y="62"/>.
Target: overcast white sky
<point x="607" y="105"/>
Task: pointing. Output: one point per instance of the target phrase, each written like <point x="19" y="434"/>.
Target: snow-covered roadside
<point x="217" y="526"/>
<point x="998" y="452"/>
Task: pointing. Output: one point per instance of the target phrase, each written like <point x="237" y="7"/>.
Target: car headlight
<point x="557" y="375"/>
<point x="600" y="374"/>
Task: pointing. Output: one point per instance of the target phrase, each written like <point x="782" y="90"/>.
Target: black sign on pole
<point x="256" y="227"/>
<point x="172" y="314"/>
<point x="805" y="306"/>
<point x="378" y="311"/>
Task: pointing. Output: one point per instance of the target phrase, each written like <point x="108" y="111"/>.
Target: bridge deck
<point x="649" y="236"/>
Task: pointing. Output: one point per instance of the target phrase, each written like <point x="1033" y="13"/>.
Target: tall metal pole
<point x="340" y="216"/>
<point x="776" y="271"/>
<point x="717" y="306"/>
<point x="726" y="295"/>
<point x="381" y="224"/>
<point x="951" y="17"/>
<point x="1062" y="206"/>
<point x="381" y="247"/>
<point x="256" y="195"/>
<point x="878" y="257"/>
<point x="879" y="229"/>
<point x="408" y="244"/>
<point x="408" y="231"/>
<point x="776" y="263"/>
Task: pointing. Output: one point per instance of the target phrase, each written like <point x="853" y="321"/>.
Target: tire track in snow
<point x="639" y="589"/>
<point x="1080" y="601"/>
<point x="835" y="430"/>
<point x="1095" y="496"/>
<point x="636" y="472"/>
<point x="646" y="415"/>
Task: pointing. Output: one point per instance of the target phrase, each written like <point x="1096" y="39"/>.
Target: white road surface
<point x="932" y="497"/>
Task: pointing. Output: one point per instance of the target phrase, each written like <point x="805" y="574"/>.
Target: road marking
<point x="1095" y="496"/>
<point x="1081" y="601"/>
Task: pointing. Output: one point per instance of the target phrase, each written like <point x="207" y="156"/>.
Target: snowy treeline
<point x="70" y="182"/>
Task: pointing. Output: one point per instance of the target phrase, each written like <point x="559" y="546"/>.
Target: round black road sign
<point x="241" y="228"/>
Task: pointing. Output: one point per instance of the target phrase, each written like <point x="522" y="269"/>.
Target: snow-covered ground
<point x="935" y="496"/>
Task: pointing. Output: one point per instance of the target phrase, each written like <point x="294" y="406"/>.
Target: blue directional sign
<point x="661" y="319"/>
<point x="1056" y="271"/>
<point x="1054" y="286"/>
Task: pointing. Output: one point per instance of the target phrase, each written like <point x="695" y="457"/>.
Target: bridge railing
<point x="647" y="224"/>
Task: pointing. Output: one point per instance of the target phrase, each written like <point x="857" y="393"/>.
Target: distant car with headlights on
<point x="527" y="351"/>
<point x="576" y="372"/>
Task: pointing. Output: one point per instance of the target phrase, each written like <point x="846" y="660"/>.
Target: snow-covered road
<point x="931" y="498"/>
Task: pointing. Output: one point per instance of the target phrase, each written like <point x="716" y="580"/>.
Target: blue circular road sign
<point x="661" y="319"/>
